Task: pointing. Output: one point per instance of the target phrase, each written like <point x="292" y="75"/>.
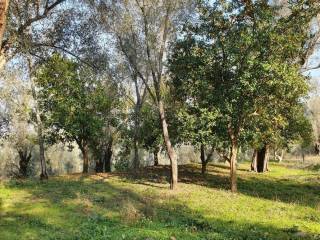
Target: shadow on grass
<point x="16" y="225"/>
<point x="314" y="167"/>
<point x="102" y="210"/>
<point x="253" y="184"/>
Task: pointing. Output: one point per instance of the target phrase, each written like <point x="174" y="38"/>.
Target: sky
<point x="314" y="74"/>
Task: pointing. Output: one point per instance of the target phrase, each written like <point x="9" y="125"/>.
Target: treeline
<point x="219" y="75"/>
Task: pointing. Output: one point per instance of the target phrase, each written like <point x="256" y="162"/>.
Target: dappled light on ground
<point x="281" y="204"/>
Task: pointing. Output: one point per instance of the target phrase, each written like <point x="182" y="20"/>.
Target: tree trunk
<point x="25" y="158"/>
<point x="43" y="174"/>
<point x="4" y="5"/>
<point x="203" y="159"/>
<point x="136" y="160"/>
<point x="155" y="156"/>
<point x="99" y="164"/>
<point x="282" y="155"/>
<point x="104" y="162"/>
<point x="85" y="154"/>
<point x="277" y="157"/>
<point x="233" y="166"/>
<point x="317" y="148"/>
<point x="137" y="113"/>
<point x="254" y="161"/>
<point x="262" y="159"/>
<point x="108" y="156"/>
<point x="169" y="147"/>
<point x="267" y="157"/>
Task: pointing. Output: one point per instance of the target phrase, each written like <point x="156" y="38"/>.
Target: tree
<point x="17" y="100"/>
<point x="37" y="121"/>
<point x="249" y="64"/>
<point x="191" y="90"/>
<point x="289" y="125"/>
<point x="76" y="101"/>
<point x="149" y="26"/>
<point x="151" y="134"/>
<point x="17" y="18"/>
<point x="313" y="111"/>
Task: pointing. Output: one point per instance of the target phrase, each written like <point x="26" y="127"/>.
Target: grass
<point x="282" y="204"/>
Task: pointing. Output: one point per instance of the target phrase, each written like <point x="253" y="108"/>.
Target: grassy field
<point x="282" y="204"/>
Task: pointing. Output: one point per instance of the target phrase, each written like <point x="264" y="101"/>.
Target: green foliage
<point x="76" y="101"/>
<point x="150" y="129"/>
<point x="122" y="163"/>
<point x="239" y="61"/>
<point x="198" y="126"/>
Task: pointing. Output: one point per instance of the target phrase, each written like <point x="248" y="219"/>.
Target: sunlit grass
<point x="281" y="204"/>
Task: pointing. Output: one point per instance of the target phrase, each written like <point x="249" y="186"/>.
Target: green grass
<point x="282" y="204"/>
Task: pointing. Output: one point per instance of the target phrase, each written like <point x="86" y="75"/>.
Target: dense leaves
<point x="77" y="103"/>
<point x="240" y="60"/>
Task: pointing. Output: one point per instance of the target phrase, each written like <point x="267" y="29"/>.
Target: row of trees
<point x="219" y="75"/>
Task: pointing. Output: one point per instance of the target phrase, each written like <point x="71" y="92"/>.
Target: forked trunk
<point x="277" y="157"/>
<point x="169" y="147"/>
<point x="233" y="166"/>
